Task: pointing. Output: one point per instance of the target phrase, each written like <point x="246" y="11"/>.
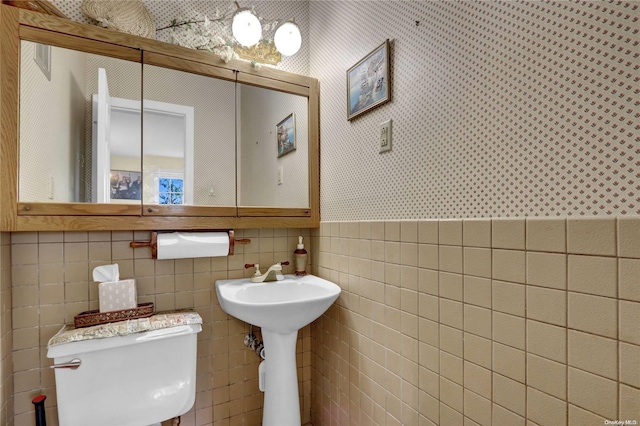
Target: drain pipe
<point x="41" y="418"/>
<point x="253" y="343"/>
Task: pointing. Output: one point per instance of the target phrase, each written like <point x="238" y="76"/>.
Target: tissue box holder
<point x="89" y="318"/>
<point x="117" y="295"/>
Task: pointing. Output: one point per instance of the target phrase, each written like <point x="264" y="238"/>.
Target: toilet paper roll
<point x="181" y="245"/>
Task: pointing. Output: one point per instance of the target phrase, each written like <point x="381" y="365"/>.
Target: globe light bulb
<point x="246" y="27"/>
<point x="287" y="38"/>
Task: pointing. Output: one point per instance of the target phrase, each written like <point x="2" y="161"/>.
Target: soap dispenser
<point x="300" y="258"/>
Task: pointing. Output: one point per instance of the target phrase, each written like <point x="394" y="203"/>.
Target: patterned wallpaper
<point x="500" y="108"/>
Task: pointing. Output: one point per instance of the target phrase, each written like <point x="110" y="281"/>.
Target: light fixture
<point x="246" y="27"/>
<point x="287" y="38"/>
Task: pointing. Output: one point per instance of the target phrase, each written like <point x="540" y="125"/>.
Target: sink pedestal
<point x="281" y="401"/>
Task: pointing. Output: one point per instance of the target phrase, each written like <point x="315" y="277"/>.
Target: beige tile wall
<point x="6" y="378"/>
<point x="479" y="322"/>
<point x="51" y="282"/>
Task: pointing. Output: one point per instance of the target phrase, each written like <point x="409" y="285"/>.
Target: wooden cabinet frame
<point x="17" y="24"/>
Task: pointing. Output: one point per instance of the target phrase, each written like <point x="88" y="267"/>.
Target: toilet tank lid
<point x="158" y="321"/>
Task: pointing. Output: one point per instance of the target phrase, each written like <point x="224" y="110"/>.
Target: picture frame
<point x="286" y="135"/>
<point x="369" y="82"/>
<point x="125" y="185"/>
<point x="42" y="57"/>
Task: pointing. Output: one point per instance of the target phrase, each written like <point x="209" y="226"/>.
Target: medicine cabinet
<point x="104" y="130"/>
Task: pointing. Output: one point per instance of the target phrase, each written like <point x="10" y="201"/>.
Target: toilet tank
<point x="132" y="380"/>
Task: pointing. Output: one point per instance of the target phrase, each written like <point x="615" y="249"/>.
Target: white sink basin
<point x="280" y="306"/>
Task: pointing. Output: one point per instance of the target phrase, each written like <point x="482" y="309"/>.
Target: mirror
<point x="188" y="139"/>
<point x="273" y="148"/>
<point x="201" y="141"/>
<point x="66" y="153"/>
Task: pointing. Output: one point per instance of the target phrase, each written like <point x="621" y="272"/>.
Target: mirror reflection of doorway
<point x="168" y="128"/>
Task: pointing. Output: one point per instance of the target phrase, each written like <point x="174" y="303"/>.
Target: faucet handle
<point x="252" y="265"/>
<point x="285" y="263"/>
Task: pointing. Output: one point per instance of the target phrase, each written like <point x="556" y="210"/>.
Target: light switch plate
<point x="280" y="175"/>
<point x="385" y="136"/>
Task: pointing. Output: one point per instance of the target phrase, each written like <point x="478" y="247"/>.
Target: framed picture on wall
<point x="368" y="83"/>
<point x="286" y="135"/>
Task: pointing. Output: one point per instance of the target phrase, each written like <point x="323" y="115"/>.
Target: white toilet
<point x="132" y="380"/>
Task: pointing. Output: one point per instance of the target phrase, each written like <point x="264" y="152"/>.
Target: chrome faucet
<point x="274" y="273"/>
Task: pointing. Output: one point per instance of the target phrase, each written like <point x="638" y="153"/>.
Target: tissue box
<point x="117" y="295"/>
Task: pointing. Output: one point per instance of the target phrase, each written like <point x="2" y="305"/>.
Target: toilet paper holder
<point x="153" y="243"/>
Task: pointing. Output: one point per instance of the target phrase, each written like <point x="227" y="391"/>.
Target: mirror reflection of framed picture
<point x="286" y="135"/>
<point x="125" y="185"/>
<point x="43" y="59"/>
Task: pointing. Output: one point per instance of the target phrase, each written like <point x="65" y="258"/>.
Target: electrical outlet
<point x="385" y="136"/>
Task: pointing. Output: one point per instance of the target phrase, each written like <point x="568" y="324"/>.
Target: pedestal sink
<point x="280" y="308"/>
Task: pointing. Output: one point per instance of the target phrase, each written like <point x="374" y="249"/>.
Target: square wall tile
<point x="547" y="270"/>
<point x="450" y="232"/>
<point x="504" y="417"/>
<point x="629" y="279"/>
<point x="476" y="233"/>
<point x="629" y="402"/>
<point x="509" y="362"/>
<point x="509" y="265"/>
<point x="428" y="231"/>
<point x="477" y="320"/>
<point x="593" y="314"/>
<point x="409" y="231"/>
<point x="477" y="379"/>
<point x="630" y="364"/>
<point x="392" y="231"/>
<point x="546" y="235"/>
<point x="477" y="350"/>
<point x="509" y="330"/>
<point x="449" y="416"/>
<point x="428" y="306"/>
<point x="547" y="376"/>
<point x="593" y="393"/>
<point x="451" y="286"/>
<point x="451" y="341"/>
<point x="409" y="254"/>
<point x="508" y="297"/>
<point x="428" y="281"/>
<point x="578" y="416"/>
<point x="450" y="258"/>
<point x="451" y="367"/>
<point x="594" y="354"/>
<point x="477" y="262"/>
<point x="629" y="321"/>
<point x="451" y="395"/>
<point x="477" y="408"/>
<point x="451" y="313"/>
<point x="593" y="275"/>
<point x="544" y="409"/>
<point x="546" y="340"/>
<point x="629" y="236"/>
<point x="477" y="291"/>
<point x="377" y="231"/>
<point x="509" y="394"/>
<point x="547" y="305"/>
<point x="595" y="236"/>
<point x="508" y="233"/>
<point x="428" y="332"/>
<point x="428" y="256"/>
